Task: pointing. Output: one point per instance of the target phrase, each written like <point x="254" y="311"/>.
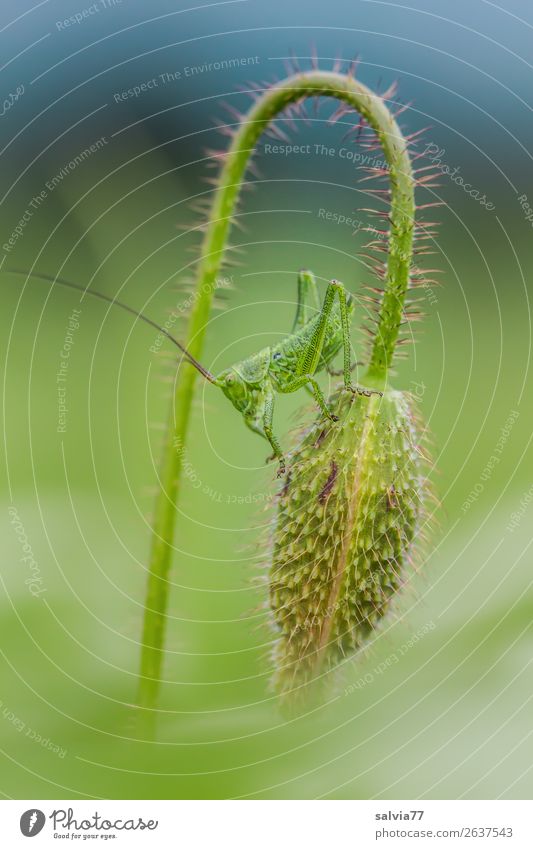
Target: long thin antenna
<point x="203" y="371"/>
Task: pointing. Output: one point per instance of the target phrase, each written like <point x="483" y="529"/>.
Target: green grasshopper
<point x="317" y="336"/>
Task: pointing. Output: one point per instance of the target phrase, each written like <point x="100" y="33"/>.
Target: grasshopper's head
<point x="235" y="388"/>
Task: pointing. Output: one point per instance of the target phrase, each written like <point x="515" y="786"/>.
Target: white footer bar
<point x="268" y="824"/>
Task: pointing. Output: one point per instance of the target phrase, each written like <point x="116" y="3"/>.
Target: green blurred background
<point x="451" y="714"/>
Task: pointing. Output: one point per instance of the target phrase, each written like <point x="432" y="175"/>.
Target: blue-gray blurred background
<point x="440" y="704"/>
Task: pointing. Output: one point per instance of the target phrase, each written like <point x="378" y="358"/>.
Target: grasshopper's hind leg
<point x="339" y="372"/>
<point x="308" y="380"/>
<point x="306" y="285"/>
<point x="310" y="357"/>
<point x="345" y="322"/>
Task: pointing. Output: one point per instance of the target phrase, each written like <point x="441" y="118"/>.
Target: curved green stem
<point x="265" y="109"/>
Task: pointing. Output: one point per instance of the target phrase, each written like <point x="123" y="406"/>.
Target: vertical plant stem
<point x="268" y="106"/>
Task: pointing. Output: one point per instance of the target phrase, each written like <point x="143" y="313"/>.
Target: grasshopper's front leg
<point x="268" y="416"/>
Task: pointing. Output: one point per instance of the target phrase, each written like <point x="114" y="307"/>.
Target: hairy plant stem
<point x="402" y="208"/>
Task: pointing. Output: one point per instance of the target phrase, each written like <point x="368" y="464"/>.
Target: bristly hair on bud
<point x="349" y="513"/>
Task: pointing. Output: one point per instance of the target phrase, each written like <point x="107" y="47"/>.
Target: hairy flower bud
<point x="348" y="514"/>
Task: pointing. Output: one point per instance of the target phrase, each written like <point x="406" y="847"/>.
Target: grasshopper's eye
<point x="230" y="379"/>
